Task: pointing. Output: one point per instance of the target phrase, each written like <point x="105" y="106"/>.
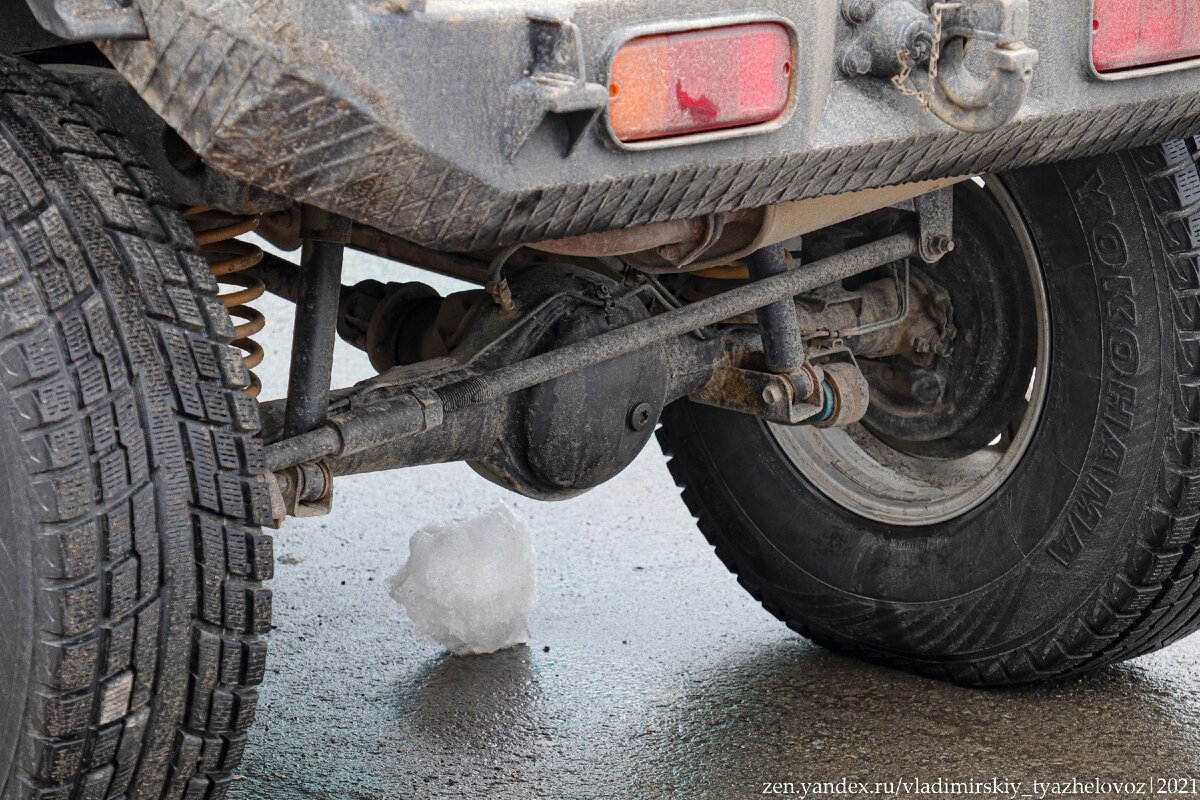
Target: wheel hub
<point x="948" y="425"/>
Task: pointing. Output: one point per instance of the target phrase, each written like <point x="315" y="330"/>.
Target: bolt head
<point x="856" y="61"/>
<point x="943" y="244"/>
<point x="774" y="395"/>
<point x="858" y="11"/>
<point x="922" y="47"/>
<point x="641" y="416"/>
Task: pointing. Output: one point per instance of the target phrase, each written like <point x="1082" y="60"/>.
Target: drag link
<point x="407" y="415"/>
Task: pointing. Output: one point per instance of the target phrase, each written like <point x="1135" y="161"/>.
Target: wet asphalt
<point x="650" y="673"/>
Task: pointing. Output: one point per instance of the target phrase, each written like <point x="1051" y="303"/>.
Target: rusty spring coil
<point x="227" y="256"/>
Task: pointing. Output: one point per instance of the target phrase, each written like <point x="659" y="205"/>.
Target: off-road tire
<point x="131" y="560"/>
<point x="1089" y="553"/>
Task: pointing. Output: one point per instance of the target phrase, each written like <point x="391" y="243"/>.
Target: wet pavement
<point x="650" y="673"/>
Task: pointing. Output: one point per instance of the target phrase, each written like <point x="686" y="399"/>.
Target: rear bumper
<point x="401" y="120"/>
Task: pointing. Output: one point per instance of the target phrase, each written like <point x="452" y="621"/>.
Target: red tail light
<point x="1141" y="33"/>
<point x="701" y="80"/>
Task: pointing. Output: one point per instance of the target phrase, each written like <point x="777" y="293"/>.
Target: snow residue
<point x="469" y="585"/>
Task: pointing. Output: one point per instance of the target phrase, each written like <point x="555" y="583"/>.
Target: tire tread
<point x="148" y="476"/>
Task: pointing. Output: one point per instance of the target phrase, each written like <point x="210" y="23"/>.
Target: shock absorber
<point x="228" y="257"/>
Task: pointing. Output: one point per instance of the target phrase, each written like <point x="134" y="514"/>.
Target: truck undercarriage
<point x="907" y="290"/>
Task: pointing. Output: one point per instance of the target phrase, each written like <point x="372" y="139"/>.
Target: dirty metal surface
<point x="307" y="99"/>
<point x="662" y="680"/>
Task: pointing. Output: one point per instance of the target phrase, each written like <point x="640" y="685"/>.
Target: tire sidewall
<point x="17" y="611"/>
<point x="1056" y="531"/>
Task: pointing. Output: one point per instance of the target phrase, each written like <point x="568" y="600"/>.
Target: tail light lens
<point x="1140" y="33"/>
<point x="694" y="81"/>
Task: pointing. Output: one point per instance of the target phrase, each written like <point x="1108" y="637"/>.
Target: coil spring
<point x="227" y="256"/>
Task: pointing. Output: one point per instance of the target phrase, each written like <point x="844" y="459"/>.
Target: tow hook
<point x="892" y="39"/>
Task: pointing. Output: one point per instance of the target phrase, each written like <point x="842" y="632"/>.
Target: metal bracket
<point x="892" y="39"/>
<point x="305" y="490"/>
<point x="87" y="20"/>
<point x="397" y="6"/>
<point x="319" y="225"/>
<point x="1002" y="22"/>
<point x="556" y="87"/>
<point x="841" y="399"/>
<point x="882" y="29"/>
<point x="935" y="216"/>
<point x="764" y="394"/>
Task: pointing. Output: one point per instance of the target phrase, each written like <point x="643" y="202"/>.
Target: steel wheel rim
<point x="867" y="477"/>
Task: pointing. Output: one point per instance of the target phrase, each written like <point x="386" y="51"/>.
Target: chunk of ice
<point x="469" y="585"/>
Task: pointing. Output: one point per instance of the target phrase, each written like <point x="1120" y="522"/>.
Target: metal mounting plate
<point x="87" y="20"/>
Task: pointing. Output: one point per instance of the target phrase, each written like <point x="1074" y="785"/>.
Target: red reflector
<point x="1141" y="33"/>
<point x="703" y="80"/>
